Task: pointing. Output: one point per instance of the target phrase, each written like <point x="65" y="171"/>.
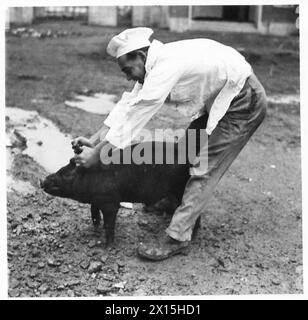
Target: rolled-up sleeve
<point x="234" y="84"/>
<point x="141" y="108"/>
<point x="221" y="105"/>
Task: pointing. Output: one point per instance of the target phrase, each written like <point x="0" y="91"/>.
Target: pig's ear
<point x="73" y="162"/>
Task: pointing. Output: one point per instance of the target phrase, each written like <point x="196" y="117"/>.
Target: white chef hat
<point x="129" y="40"/>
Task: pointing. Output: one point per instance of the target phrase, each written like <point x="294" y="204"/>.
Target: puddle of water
<point x="9" y="158"/>
<point x="127" y="205"/>
<point x="45" y="143"/>
<point x="284" y="99"/>
<point x="100" y="103"/>
<point x="19" y="186"/>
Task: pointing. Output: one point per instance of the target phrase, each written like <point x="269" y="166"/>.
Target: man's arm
<point x="99" y="135"/>
<point x="97" y="140"/>
<point x="129" y="118"/>
<point x="140" y="109"/>
<point x="93" y="140"/>
<point x="90" y="156"/>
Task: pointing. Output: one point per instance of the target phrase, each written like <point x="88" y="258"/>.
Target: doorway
<point x="224" y="13"/>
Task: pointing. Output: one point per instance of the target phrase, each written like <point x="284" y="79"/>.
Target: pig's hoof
<point x="109" y="246"/>
<point x="96" y="224"/>
<point x="109" y="242"/>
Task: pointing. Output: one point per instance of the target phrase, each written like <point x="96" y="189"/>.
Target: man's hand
<point x="87" y="158"/>
<point x="82" y="141"/>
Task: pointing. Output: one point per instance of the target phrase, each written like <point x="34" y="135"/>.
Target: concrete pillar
<point x="278" y="20"/>
<point x="179" y="20"/>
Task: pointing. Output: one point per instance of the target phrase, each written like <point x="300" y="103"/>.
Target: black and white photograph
<point x="152" y="150"/>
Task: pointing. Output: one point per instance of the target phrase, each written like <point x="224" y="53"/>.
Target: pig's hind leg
<point x="95" y="215"/>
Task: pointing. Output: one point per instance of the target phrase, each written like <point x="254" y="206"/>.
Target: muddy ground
<point x="250" y="241"/>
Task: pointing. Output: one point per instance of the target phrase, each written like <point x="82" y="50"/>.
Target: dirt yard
<point x="250" y="241"/>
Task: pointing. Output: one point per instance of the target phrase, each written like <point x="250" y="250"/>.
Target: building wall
<point x="40" y="12"/>
<point x="279" y="14"/>
<point x="60" y="12"/>
<point x="223" y="26"/>
<point x="151" y="16"/>
<point x="178" y="11"/>
<point x="103" y="15"/>
<point x="178" y="18"/>
<point x="207" y="11"/>
<point x="278" y="20"/>
<point x="124" y="16"/>
<point x="20" y="15"/>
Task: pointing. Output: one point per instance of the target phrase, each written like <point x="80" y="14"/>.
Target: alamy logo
<point x="164" y="146"/>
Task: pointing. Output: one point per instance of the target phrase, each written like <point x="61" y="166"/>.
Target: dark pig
<point x="105" y="186"/>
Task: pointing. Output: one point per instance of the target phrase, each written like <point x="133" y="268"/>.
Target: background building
<point x="269" y="19"/>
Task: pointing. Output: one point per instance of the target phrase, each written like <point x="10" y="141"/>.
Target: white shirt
<point x="212" y="72"/>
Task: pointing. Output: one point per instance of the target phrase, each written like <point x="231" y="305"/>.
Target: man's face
<point x="134" y="68"/>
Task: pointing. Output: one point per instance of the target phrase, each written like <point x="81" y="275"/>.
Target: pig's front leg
<point x="95" y="215"/>
<point x="109" y="211"/>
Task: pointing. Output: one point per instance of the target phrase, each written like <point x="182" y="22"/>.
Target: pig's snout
<point x="48" y="184"/>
